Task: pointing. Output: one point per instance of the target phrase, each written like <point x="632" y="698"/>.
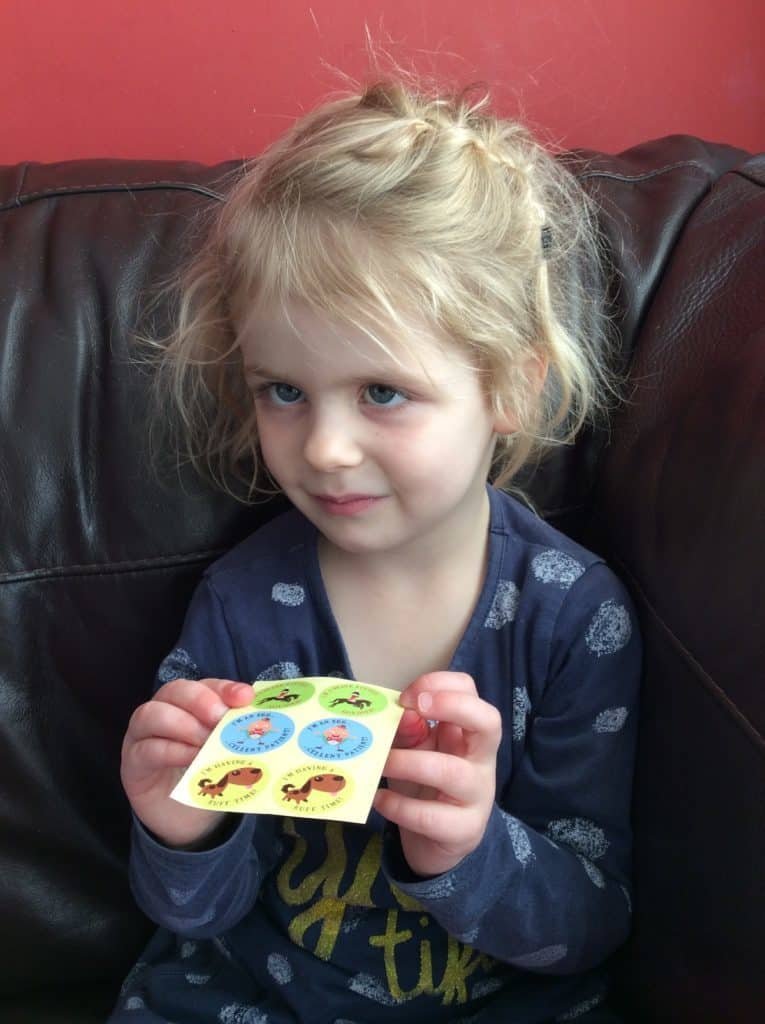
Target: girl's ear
<point x="534" y="375"/>
<point x="505" y="422"/>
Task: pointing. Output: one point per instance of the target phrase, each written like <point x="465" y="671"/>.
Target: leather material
<point x="99" y="555"/>
<point x="682" y="495"/>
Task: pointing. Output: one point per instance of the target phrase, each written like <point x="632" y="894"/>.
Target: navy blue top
<point x="300" y="920"/>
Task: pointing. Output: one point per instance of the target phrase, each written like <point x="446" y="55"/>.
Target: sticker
<point x="353" y="699"/>
<point x="226" y="784"/>
<point x="335" y="739"/>
<point x="313" y="788"/>
<point x="290" y="694"/>
<point x="299" y="749"/>
<point x="257" y="732"/>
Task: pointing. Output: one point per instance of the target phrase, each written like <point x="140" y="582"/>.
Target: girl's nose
<point x="330" y="444"/>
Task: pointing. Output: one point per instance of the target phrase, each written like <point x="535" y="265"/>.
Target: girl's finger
<point x="433" y="682"/>
<point x="157" y="719"/>
<point x="413" y="731"/>
<point x="206" y="699"/>
<point x="454" y="777"/>
<point x="152" y="755"/>
<point x="436" y="820"/>
<point x="479" y="721"/>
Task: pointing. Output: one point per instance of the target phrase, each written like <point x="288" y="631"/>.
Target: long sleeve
<point x="203" y="893"/>
<point x="547" y="888"/>
<point x="200" y="894"/>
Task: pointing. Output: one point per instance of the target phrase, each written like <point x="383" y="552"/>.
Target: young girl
<point x="395" y="303"/>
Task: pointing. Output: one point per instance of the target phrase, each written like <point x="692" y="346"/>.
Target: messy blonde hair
<point x="383" y="205"/>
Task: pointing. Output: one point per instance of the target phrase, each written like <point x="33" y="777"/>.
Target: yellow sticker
<point x="226" y="785"/>
<point x="314" y="787"/>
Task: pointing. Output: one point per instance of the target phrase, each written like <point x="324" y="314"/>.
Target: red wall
<point x="212" y="79"/>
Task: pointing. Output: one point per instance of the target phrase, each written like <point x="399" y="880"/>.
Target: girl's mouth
<point x="346" y="504"/>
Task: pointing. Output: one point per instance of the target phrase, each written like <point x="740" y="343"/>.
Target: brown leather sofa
<point x="99" y="556"/>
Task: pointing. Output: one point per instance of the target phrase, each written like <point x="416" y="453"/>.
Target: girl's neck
<point x="401" y="614"/>
<point x="455" y="548"/>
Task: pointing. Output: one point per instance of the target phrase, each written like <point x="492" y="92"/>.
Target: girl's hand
<point x="162" y="739"/>
<point x="441" y="779"/>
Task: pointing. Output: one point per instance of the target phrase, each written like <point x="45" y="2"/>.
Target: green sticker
<point x="352" y="699"/>
<point x="288" y="694"/>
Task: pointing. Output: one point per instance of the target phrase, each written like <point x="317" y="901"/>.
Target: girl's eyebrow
<point x="264" y="372"/>
<point x="389" y="375"/>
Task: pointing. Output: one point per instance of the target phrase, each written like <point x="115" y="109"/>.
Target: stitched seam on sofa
<point x="713" y="688"/>
<point x="647" y="175"/>
<point x="111" y="568"/>
<point x="22" y="198"/>
<point x="139" y="186"/>
<point x="600" y="452"/>
<point x="24" y="168"/>
<point x="748" y="176"/>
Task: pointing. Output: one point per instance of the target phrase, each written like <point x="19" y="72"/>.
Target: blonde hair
<point x="381" y="205"/>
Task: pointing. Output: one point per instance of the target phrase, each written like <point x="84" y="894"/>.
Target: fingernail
<point x="424" y="702"/>
<point x="218" y="710"/>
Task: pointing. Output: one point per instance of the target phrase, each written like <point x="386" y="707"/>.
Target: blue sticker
<point x="335" y="739"/>
<point x="257" y="732"/>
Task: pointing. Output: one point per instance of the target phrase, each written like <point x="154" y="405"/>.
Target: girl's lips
<point x="348" y="504"/>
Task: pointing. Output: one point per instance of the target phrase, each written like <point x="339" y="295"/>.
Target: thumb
<point x="235" y="694"/>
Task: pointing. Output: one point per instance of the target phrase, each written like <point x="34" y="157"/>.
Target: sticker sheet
<point x="305" y="748"/>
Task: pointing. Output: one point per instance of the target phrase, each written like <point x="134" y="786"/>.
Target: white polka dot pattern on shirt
<point x="437" y="888"/>
<point x="239" y="1013"/>
<point x="178" y="665"/>
<point x="133" y="976"/>
<point x="371" y="988"/>
<point x="222" y="946"/>
<point x="352" y="918"/>
<point x="556" y="567"/>
<point x="581" y="1008"/>
<point x="610" y="629"/>
<point x="198" y="979"/>
<point x="504" y="606"/>
<point x="485" y="987"/>
<point x="521" y="708"/>
<point x="289" y="594"/>
<point x="594" y="873"/>
<point x="280" y="670"/>
<point x="181" y="897"/>
<point x="627" y="897"/>
<point x="610" y="720"/>
<point x="581" y="835"/>
<point x="519" y="839"/>
<point x="279" y="968"/>
<point x="541" y="957"/>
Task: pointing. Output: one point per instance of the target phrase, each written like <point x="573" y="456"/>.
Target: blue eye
<point x="381" y="394"/>
<point x="284" y="394"/>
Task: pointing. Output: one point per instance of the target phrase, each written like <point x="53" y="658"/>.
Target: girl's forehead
<point x="296" y="332"/>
